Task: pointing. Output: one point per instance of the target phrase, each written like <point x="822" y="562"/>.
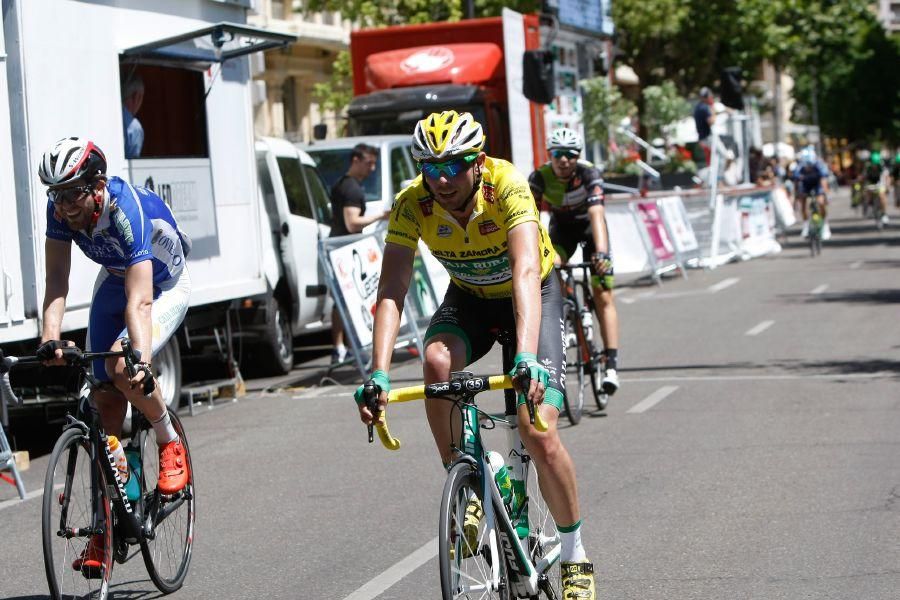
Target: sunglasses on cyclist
<point x="570" y="154"/>
<point x="450" y="168"/>
<point x="70" y="195"/>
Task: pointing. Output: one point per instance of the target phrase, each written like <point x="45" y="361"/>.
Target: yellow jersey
<point x="475" y="256"/>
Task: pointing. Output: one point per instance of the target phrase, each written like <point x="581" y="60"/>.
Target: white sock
<point x="165" y="433"/>
<point x="571" y="549"/>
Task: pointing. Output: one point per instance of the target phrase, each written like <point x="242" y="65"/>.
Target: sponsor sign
<point x="663" y="249"/>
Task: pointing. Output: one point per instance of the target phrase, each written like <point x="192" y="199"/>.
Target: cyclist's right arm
<point x="58" y="264"/>
<point x="398" y="263"/>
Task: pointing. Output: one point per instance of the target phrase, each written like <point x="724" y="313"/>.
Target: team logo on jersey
<point x="444" y="231"/>
<point x="487" y="227"/>
<point x="576" y="182"/>
<point x="122" y="225"/>
<point x="488" y="191"/>
<point x="427" y="206"/>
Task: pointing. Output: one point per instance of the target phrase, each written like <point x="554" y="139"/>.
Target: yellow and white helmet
<point x="441" y="136"/>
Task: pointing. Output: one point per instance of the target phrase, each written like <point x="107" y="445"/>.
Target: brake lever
<point x="523" y="376"/>
<point x="370" y="397"/>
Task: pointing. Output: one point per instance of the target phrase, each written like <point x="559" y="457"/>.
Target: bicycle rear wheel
<point x="67" y="520"/>
<point x="466" y="568"/>
<point x="543" y="538"/>
<point x="167" y="553"/>
<point x="575" y="380"/>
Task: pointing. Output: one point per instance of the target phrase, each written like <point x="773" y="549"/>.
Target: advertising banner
<point x="630" y="256"/>
<point x="663" y="249"/>
<point x="357" y="270"/>
<point x="676" y="216"/>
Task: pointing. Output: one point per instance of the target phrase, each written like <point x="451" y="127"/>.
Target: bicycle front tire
<point x="168" y="555"/>
<point x="466" y="567"/>
<point x="575" y="339"/>
<point x="70" y="497"/>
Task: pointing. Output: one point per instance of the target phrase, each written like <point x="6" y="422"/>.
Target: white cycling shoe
<point x="610" y="382"/>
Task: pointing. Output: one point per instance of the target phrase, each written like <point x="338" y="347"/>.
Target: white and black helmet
<point x="564" y="139"/>
<point x="71" y="161"/>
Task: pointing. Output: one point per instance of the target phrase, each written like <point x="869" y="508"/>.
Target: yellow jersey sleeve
<point x="404" y="227"/>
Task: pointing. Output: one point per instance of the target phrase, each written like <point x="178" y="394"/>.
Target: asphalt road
<point x="752" y="453"/>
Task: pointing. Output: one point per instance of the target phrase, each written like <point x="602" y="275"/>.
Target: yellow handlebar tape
<point x="417" y="392"/>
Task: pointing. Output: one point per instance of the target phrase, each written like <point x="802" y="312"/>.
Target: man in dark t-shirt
<point x="348" y="212"/>
<point x="703" y="120"/>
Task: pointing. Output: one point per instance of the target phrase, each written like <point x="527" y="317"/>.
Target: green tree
<point x="336" y="93"/>
<point x="663" y="106"/>
<point x="375" y="13"/>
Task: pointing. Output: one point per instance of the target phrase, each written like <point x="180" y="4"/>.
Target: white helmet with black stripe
<point x="71" y="161"/>
<point x="565" y="139"/>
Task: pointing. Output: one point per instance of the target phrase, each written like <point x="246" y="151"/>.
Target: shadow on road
<point x="877" y="296"/>
<point x="812" y="367"/>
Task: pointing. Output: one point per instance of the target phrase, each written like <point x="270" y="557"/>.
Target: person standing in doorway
<point x="132" y="98"/>
<point x="348" y="212"/>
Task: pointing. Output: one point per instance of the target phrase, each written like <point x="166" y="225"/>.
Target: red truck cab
<point x="403" y="73"/>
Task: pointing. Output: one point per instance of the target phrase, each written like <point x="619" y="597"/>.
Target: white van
<point x="296" y="203"/>
<point x="395" y="165"/>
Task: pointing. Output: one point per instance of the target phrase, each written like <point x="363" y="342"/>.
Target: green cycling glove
<point x="535" y="370"/>
<point x="381" y="380"/>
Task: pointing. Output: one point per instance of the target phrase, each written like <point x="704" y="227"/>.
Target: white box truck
<point x="62" y="68"/>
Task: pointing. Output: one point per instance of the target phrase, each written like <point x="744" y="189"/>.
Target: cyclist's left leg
<point x="608" y="316"/>
<point x="556" y="470"/>
<point x="169" y="308"/>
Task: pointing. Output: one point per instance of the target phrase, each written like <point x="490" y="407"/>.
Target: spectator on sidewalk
<point x="704" y="117"/>
<point x="348" y="211"/>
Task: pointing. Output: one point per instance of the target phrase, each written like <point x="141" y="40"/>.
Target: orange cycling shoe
<point x="173" y="468"/>
<point x="92" y="559"/>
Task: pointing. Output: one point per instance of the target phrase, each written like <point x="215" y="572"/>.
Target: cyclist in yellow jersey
<point x="477" y="216"/>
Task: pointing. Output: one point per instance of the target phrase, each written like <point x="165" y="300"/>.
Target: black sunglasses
<point x="570" y="154"/>
<point x="69" y="195"/>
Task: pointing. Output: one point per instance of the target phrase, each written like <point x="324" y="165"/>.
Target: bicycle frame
<point x="524" y="575"/>
<point x="571" y="287"/>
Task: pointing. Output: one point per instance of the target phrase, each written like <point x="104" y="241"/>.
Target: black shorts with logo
<point x="478" y="322"/>
<point x="566" y="234"/>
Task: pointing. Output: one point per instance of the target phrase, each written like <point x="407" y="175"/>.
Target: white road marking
<point x="759" y="328"/>
<point x="392" y="575"/>
<point x="819" y="289"/>
<point x="857" y="264"/>
<point x="725" y="283"/>
<point x="28" y="496"/>
<point x="651" y="400"/>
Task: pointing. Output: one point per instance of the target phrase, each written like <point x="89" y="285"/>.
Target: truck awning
<point x="423" y="65"/>
<point x="214" y="44"/>
<point x="420" y="100"/>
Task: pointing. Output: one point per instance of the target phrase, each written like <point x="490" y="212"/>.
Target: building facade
<point x="284" y="79"/>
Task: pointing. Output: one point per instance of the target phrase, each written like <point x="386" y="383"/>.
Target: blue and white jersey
<point x="135" y="225"/>
<point x="810" y="175"/>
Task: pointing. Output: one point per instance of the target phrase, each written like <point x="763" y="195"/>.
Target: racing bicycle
<point x="513" y="550"/>
<point x="85" y="502"/>
<point x="583" y="359"/>
<point x="816" y="225"/>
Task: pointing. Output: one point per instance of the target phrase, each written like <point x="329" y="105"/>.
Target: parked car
<point x="295" y="200"/>
<point x="395" y="165"/>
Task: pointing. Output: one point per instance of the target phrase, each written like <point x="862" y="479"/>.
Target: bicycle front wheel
<point x="76" y="521"/>
<point x="466" y="550"/>
<point x="167" y="551"/>
<point x="543" y="538"/>
<point x="577" y="351"/>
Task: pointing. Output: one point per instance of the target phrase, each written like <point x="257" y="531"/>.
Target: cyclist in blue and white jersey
<point x="141" y="293"/>
<point x="811" y="177"/>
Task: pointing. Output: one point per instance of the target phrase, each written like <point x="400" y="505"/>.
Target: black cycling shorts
<point x="478" y="322"/>
<point x="567" y="234"/>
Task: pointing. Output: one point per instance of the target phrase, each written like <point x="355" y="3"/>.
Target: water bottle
<point x="118" y="453"/>
<point x="587" y="324"/>
<point x="132" y="487"/>
<point x="501" y="476"/>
